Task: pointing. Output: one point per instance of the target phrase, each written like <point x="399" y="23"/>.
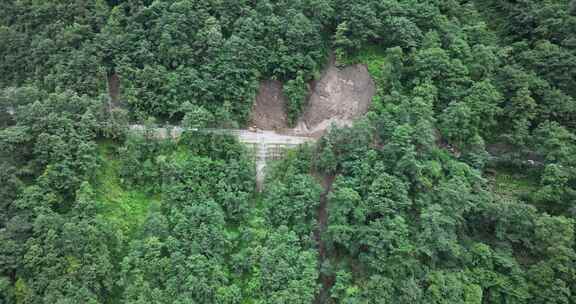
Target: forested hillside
<point x="458" y="186"/>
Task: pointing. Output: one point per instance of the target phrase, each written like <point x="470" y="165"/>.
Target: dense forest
<point x="459" y="185"/>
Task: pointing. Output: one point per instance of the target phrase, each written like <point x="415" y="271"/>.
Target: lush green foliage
<point x="459" y="186"/>
<point x="166" y="53"/>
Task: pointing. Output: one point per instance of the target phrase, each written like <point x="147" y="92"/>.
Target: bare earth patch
<point x="269" y="110"/>
<point x="339" y="97"/>
<point x="114" y="88"/>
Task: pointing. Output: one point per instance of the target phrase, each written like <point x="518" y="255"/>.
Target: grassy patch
<point x="125" y="208"/>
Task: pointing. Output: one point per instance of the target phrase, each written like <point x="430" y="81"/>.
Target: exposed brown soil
<point x="269" y="110"/>
<point x="339" y="97"/>
<point x="114" y="88"/>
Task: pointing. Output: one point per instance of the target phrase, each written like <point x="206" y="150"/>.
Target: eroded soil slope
<point x="269" y="109"/>
<point x="339" y="97"/>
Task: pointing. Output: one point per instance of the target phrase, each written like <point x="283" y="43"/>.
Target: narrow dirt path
<point x="326" y="281"/>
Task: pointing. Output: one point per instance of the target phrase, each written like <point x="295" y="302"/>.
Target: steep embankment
<point x="339" y="97"/>
<point x="269" y="108"/>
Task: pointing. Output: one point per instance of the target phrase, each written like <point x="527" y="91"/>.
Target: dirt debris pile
<point x="339" y="97"/>
<point x="269" y="109"/>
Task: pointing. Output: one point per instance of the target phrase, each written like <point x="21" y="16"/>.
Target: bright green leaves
<point x="296" y="91"/>
<point x="183" y="255"/>
<point x="451" y="287"/>
<point x="387" y="195"/>
<point x="345" y="213"/>
<point x="554" y="275"/>
<point x="287" y="272"/>
<point x="465" y="123"/>
<point x="188" y="51"/>
<point x="293" y="203"/>
<point x="196" y="116"/>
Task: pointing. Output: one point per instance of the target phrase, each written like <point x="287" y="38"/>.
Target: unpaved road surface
<point x="245" y="136"/>
<point x="271" y="138"/>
